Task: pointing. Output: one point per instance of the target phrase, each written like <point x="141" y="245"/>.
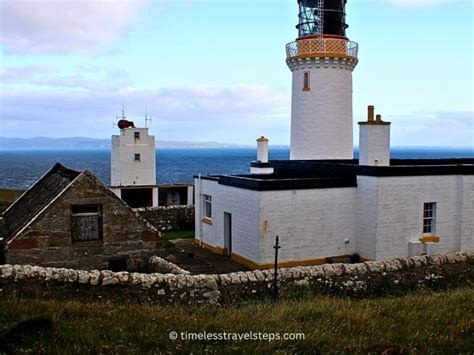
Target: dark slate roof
<point x="37" y="197"/>
<point x="319" y="174"/>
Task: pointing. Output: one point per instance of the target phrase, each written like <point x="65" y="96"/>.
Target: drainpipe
<point x="200" y="211"/>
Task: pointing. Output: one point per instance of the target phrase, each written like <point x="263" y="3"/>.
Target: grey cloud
<point x="191" y="113"/>
<point x="57" y="26"/>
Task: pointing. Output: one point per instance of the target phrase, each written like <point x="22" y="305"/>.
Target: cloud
<point x="441" y="128"/>
<point x="85" y="77"/>
<point x="196" y="113"/>
<point x="64" y="26"/>
<point x="16" y="75"/>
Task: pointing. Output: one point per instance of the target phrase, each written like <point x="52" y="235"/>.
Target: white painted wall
<point x="374" y="144"/>
<point x="400" y="212"/>
<point x="379" y="218"/>
<point x="466" y="211"/>
<point x="366" y="216"/>
<point x="311" y="224"/>
<point x="242" y="204"/>
<point x="124" y="169"/>
<point x="321" y="119"/>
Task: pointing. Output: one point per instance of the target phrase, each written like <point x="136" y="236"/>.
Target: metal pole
<point x="275" y="273"/>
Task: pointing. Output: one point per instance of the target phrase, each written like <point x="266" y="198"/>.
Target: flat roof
<point x="322" y="174"/>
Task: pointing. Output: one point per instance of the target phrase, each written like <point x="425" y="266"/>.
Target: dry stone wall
<point x="166" y="218"/>
<point x="354" y="280"/>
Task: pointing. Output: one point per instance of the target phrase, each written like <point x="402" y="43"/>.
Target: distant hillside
<point x="92" y="143"/>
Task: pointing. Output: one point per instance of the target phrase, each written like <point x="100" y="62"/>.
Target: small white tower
<point x="133" y="157"/>
<point x="322" y="60"/>
<point x="261" y="166"/>
<point x="374" y="141"/>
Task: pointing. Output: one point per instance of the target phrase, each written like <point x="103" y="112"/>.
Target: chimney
<point x="374" y="140"/>
<point x="261" y="165"/>
<point x="262" y="149"/>
<point x="370" y="114"/>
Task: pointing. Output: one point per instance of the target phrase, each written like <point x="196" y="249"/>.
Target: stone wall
<point x="355" y="280"/>
<point x="165" y="218"/>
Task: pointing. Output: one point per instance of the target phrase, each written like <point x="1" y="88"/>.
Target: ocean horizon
<point x="20" y="168"/>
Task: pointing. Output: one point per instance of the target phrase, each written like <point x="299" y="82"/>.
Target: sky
<point x="214" y="70"/>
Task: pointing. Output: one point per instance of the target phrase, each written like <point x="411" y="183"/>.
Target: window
<point x="429" y="217"/>
<point x="207" y="206"/>
<point x="136" y="136"/>
<point x="306" y="82"/>
<point x="86" y="222"/>
<point x="138" y="157"/>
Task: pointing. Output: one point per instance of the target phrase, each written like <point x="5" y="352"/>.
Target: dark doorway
<point x="228" y="233"/>
<point x="118" y="265"/>
<point x="137" y="198"/>
<point x="173" y="195"/>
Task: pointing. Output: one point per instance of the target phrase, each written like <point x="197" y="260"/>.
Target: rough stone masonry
<point x="354" y="280"/>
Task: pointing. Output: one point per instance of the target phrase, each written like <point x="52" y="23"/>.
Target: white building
<point x="322" y="203"/>
<point x="133" y="171"/>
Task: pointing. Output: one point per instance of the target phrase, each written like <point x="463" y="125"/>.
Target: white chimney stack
<point x="261" y="165"/>
<point x="374" y="141"/>
<point x="262" y="149"/>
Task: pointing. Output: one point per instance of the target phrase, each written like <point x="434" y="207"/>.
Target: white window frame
<point x="429" y="218"/>
<point x="207" y="206"/>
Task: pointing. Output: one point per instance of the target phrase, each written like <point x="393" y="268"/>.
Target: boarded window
<point x="86" y="222"/>
<point x="306" y="83"/>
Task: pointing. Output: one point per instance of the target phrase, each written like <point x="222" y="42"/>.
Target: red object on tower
<point x="125" y="124"/>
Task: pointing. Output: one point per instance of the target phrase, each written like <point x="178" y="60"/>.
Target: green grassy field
<point x="422" y="322"/>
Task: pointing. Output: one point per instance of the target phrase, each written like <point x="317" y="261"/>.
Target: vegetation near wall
<point x="371" y="278"/>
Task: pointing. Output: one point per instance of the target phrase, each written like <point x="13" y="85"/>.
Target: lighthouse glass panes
<point x="429" y="217"/>
<point x="313" y="21"/>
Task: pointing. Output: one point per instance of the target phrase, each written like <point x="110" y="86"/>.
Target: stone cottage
<point x="70" y="219"/>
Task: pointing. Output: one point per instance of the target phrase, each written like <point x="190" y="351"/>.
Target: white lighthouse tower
<point x="133" y="165"/>
<point x="321" y="60"/>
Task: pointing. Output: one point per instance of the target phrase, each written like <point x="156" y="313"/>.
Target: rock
<point x="83" y="277"/>
<point x="123" y="277"/>
<point x="212" y="296"/>
<point x="71" y="275"/>
<point x="225" y="279"/>
<point x="303" y="282"/>
<point x="251" y="276"/>
<point x="243" y="277"/>
<point x="109" y="278"/>
<point x="18" y="272"/>
<point x="338" y="269"/>
<point x="6" y="271"/>
<point x="161" y="265"/>
<point x="259" y="275"/>
<point x="94" y="277"/>
<point x="234" y="279"/>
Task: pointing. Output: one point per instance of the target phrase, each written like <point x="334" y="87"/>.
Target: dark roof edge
<point x="56" y="167"/>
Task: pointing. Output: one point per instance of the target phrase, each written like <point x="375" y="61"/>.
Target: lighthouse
<point x="321" y="61"/>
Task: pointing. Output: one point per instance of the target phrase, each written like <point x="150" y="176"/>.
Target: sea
<point x="19" y="169"/>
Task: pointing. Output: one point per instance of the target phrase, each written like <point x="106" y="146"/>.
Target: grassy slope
<point x="421" y="322"/>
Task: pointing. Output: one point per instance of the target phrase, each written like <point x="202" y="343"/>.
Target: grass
<point x="419" y="322"/>
<point x="179" y="234"/>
